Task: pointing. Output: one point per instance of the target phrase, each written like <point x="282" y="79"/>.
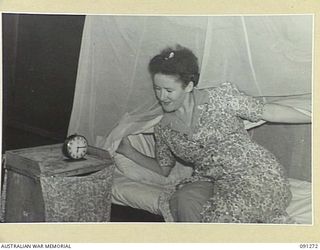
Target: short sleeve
<point x="245" y="106"/>
<point x="163" y="153"/>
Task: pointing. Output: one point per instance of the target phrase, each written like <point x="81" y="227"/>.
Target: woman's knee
<point x="187" y="203"/>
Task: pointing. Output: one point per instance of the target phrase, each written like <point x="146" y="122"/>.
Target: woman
<point x="234" y="179"/>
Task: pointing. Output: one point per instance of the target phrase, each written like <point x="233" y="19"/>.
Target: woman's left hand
<point x="274" y="112"/>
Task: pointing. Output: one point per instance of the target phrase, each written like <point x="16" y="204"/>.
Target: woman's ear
<point x="189" y="87"/>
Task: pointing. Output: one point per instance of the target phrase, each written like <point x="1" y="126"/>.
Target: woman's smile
<point x="165" y="102"/>
<point x="170" y="92"/>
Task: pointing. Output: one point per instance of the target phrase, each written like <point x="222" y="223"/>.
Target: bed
<point x="138" y="188"/>
<point x="127" y="192"/>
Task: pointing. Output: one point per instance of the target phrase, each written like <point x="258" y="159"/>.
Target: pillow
<point x="144" y="143"/>
<point x="127" y="192"/>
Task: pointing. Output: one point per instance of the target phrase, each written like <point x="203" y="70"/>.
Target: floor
<point x="129" y="214"/>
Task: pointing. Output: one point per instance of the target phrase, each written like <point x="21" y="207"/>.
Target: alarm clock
<point x="75" y="147"/>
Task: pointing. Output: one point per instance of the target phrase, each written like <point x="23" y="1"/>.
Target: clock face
<point x="76" y="147"/>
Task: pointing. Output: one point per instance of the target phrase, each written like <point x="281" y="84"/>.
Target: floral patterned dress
<point x="250" y="186"/>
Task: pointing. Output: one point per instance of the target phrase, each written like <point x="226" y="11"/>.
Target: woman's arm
<point x="125" y="148"/>
<point x="273" y="112"/>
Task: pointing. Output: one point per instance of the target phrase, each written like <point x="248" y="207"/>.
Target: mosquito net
<point x="268" y="56"/>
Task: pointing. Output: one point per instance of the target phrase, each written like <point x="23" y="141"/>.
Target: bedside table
<point x="41" y="185"/>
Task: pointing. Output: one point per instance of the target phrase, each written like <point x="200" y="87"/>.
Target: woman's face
<point x="170" y="91"/>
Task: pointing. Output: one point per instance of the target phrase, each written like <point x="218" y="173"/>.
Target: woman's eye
<point x="169" y="91"/>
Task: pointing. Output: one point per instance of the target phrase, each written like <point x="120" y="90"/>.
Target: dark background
<point x="40" y="61"/>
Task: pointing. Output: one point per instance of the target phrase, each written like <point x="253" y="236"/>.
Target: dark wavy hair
<point x="178" y="61"/>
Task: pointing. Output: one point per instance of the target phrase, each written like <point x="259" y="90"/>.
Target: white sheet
<point x="127" y="192"/>
<point x="300" y="207"/>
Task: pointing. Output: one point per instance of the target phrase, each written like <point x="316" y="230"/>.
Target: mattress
<point x="128" y="192"/>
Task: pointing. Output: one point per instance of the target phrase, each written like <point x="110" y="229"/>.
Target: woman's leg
<point x="254" y="200"/>
<point x="187" y="202"/>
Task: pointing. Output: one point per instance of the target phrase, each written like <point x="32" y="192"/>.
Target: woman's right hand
<point x="125" y="147"/>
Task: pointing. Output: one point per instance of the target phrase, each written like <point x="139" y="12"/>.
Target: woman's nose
<point x="162" y="95"/>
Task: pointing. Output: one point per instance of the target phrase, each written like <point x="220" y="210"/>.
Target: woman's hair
<point x="179" y="62"/>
